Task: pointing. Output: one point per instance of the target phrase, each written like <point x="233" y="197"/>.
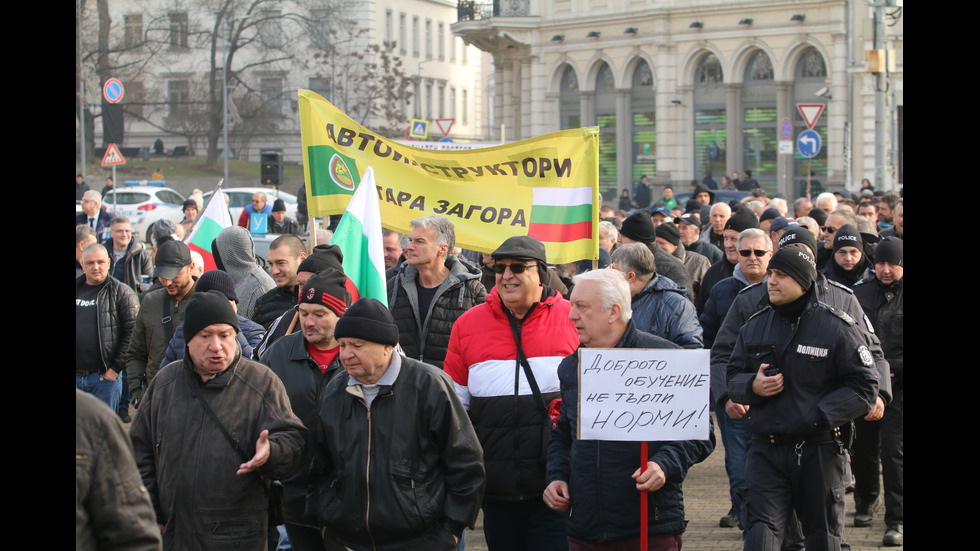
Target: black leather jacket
<point x="117" y="310"/>
<point x="393" y="475"/>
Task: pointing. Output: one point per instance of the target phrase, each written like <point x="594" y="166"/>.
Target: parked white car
<point x="145" y="202"/>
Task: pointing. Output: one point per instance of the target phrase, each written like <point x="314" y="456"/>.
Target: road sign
<point x="112" y="156"/>
<point x="112" y="90"/>
<point x="811" y="112"/>
<point x="786" y="129"/>
<point x="419" y="129"/>
<point x="445" y="125"/>
<point x="785" y="147"/>
<point x="808" y="143"/>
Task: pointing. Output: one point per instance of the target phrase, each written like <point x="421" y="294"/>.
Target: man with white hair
<point x="827" y="201"/>
<point x="608" y="234"/>
<point x="720" y="213"/>
<point x="602" y="484"/>
<point x="93" y="215"/>
<point x="259" y="204"/>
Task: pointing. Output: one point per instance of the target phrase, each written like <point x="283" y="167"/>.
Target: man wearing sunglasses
<point x="828" y="231"/>
<point x="754" y="252"/>
<point x="503" y="357"/>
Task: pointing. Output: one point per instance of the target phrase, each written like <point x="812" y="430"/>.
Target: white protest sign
<point x="643" y="394"/>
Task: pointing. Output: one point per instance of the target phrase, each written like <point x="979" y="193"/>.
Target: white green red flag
<point x="359" y="237"/>
<point x="561" y="215"/>
<point x="209" y="224"/>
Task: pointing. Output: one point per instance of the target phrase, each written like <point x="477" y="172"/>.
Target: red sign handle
<point x="644" y="497"/>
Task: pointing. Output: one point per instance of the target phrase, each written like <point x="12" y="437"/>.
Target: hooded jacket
<point x="428" y="341"/>
<point x="234" y="252"/>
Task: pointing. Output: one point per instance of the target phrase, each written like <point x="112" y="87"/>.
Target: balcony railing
<point x="472" y="10"/>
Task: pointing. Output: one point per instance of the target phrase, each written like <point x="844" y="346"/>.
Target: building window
<point x="271" y="90"/>
<point x="569" y="106"/>
<point x="402" y="33"/>
<point x="643" y="101"/>
<point x="428" y="39"/>
<point x="178" y="30"/>
<point x="442" y="41"/>
<point x="415" y="36"/>
<point x="759" y="123"/>
<point x="271" y="28"/>
<point x="178" y="96"/>
<point x="320" y="86"/>
<point x="133" y="30"/>
<point x="605" y="110"/>
<point x="389" y="23"/>
<point x="452" y="49"/>
<point x="710" y="118"/>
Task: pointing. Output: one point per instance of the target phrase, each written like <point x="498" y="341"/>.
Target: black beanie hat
<point x="669" y="231"/>
<point x="742" y="220"/>
<point x="890" y="249"/>
<point x="799" y="235"/>
<point x="819" y="215"/>
<point x="322" y="257"/>
<point x="327" y="288"/>
<point x="217" y="280"/>
<point x="848" y="236"/>
<point x="368" y="319"/>
<point x="206" y="309"/>
<point x="796" y="262"/>
<point x="639" y="227"/>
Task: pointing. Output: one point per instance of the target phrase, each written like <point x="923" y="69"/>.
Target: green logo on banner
<point x="331" y="173"/>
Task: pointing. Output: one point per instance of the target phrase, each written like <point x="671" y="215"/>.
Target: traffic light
<point x="271" y="168"/>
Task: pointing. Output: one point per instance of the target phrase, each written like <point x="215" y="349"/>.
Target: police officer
<point x="805" y="371"/>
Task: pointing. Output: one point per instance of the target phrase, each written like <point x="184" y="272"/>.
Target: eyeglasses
<point x="829" y="229"/>
<point x="515" y="267"/>
<point x="747" y="252"/>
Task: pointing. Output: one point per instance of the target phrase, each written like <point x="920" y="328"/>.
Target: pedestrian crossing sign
<point x="420" y="129"/>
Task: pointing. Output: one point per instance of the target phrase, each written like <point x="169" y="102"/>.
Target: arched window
<point x="760" y="121"/>
<point x="569" y="108"/>
<point x="709" y="117"/>
<point x="605" y="110"/>
<point x="643" y="101"/>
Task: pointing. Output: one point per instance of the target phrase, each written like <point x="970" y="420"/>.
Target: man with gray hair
<point x="608" y="234"/>
<point x="659" y="305"/>
<point x="93" y="215"/>
<point x="431" y="290"/>
<point x="129" y="260"/>
<point x="826" y="201"/>
<point x="605" y="500"/>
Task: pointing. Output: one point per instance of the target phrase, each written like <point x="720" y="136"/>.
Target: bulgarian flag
<point x="561" y="215"/>
<point x="209" y="224"/>
<point x="359" y="237"/>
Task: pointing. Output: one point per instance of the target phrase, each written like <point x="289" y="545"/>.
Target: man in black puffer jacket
<point x="432" y="289"/>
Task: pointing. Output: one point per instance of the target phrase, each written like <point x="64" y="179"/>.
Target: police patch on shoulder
<point x="843" y="315"/>
<point x="865" y="354"/>
<point x="867" y="322"/>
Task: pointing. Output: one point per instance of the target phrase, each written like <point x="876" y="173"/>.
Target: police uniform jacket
<point x="828" y="371"/>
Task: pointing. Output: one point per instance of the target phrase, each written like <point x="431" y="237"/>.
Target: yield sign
<point x="445" y="125"/>
<point x="811" y="112"/>
<point x="113" y="156"/>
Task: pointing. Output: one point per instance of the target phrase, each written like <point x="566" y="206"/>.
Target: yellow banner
<point x="546" y="187"/>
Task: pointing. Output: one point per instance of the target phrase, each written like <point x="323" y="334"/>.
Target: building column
<point x="734" y="156"/>
<point x="587" y="103"/>
<point x="837" y="112"/>
<point x="784" y="163"/>
<point x="624" y="141"/>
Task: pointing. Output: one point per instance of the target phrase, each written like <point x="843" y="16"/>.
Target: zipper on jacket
<point x="367" y="480"/>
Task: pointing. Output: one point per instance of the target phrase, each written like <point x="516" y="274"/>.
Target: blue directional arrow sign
<point x="808" y="143"/>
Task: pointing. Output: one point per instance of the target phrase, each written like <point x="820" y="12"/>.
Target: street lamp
<point x="418" y="105"/>
<point x="224" y="87"/>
